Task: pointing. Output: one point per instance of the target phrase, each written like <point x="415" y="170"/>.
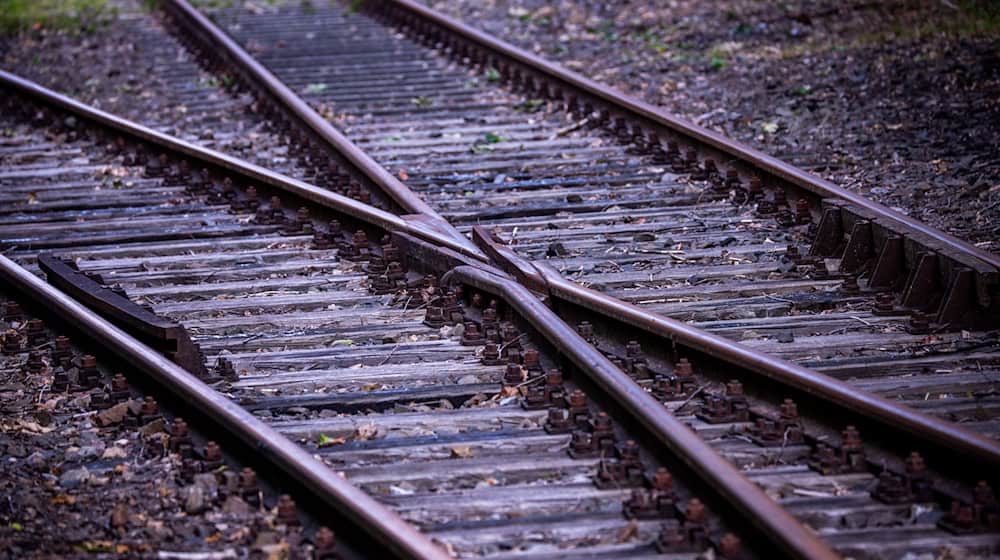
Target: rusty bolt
<point x="212" y="451"/>
<point x="734" y="388"/>
<point x="851" y="438"/>
<point x="577" y="399"/>
<point x="629" y="450"/>
<point x="35" y="331"/>
<point x="729" y="546"/>
<point x="683" y="368"/>
<point x="662" y="480"/>
<point x="850" y="285"/>
<point x="531" y="359"/>
<point x="325" y="542"/>
<point x="789" y="410"/>
<point x="149" y="407"/>
<point x="885" y="303"/>
<point x="514" y="375"/>
<point x="12" y="312"/>
<point x="286" y="510"/>
<point x="695" y="512"/>
<point x="915" y="466"/>
<point x="179" y="428"/>
<point x="119" y="383"/>
<point x="554" y="378"/>
<point x="248" y="479"/>
<point x="983" y="494"/>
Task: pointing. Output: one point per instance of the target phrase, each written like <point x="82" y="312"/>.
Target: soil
<point x="896" y="100"/>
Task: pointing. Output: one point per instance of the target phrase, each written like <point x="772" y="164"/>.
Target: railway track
<point x="382" y="374"/>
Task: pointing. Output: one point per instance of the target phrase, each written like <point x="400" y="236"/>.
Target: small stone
<point x="89" y="452"/>
<point x="208" y="483"/>
<point x="113" y="415"/>
<point x="467" y="380"/>
<point x="17" y="450"/>
<point x="155" y="427"/>
<point x="786" y="337"/>
<point x="556" y="249"/>
<point x="644" y="237"/>
<point x="74" y="478"/>
<point x="114" y="452"/>
<point x="194" y="499"/>
<point x="234" y="505"/>
<point x="37" y="461"/>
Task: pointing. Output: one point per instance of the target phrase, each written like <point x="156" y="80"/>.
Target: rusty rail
<point x="471" y="268"/>
<point x="311" y="193"/>
<point x="916" y="424"/>
<point x="296" y="107"/>
<point x="757" y="509"/>
<point x="655" y="117"/>
<point x="537" y="276"/>
<point x="287" y="456"/>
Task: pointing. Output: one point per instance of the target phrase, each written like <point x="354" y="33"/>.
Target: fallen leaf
<point x="461" y="452"/>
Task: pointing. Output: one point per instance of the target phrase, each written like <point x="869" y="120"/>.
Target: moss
<point x="74" y="15"/>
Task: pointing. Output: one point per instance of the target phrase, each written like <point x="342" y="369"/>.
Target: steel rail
<point x="290" y="101"/>
<point x="643" y="111"/>
<point x="327" y="199"/>
<point x="922" y="427"/>
<point x="335" y="491"/>
<point x="918" y="425"/>
<point x="757" y="509"/>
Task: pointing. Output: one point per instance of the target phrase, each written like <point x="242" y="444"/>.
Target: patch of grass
<point x="355" y="6"/>
<point x="529" y="105"/>
<point x="212" y="4"/>
<point x="315" y="88"/>
<point x="717" y="63"/>
<point x="83" y="16"/>
<point x="803" y="90"/>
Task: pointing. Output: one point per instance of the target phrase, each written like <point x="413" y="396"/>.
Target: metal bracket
<point x="166" y="336"/>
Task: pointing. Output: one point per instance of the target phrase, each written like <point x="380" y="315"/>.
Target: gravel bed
<point x="897" y="100"/>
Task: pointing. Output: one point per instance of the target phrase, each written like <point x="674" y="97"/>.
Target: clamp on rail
<point x="166" y="336"/>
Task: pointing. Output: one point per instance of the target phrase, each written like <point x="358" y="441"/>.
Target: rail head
<point x="383" y="524"/>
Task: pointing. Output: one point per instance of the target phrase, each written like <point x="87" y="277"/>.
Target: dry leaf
<point x="461" y="452"/>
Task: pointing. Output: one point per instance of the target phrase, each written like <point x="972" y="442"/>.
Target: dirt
<point x="896" y="100"/>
